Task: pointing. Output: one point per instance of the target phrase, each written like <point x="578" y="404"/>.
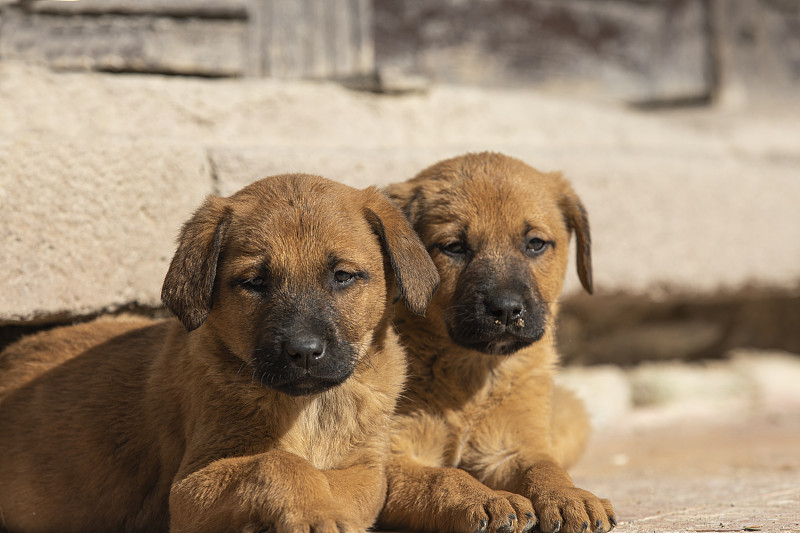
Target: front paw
<point x="495" y="512"/>
<point x="572" y="510"/>
<point x="308" y="522"/>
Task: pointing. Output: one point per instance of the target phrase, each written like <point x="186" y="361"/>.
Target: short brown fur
<point x="482" y="437"/>
<point x="137" y="425"/>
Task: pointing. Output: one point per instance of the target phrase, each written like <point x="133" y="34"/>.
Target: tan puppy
<point x="477" y="412"/>
<point x="270" y="410"/>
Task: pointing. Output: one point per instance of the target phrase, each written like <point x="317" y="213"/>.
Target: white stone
<point x="604" y="389"/>
<point x="693" y="204"/>
<point x="89" y="227"/>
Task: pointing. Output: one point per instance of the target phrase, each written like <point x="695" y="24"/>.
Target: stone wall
<point x="694" y="211"/>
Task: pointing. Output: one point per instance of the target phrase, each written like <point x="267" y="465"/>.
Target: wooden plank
<point x="311" y="38"/>
<point x="637" y="50"/>
<point x="126" y="43"/>
<point x="758" y="51"/>
<point x="174" y="8"/>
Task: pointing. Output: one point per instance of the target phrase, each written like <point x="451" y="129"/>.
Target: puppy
<point x="476" y="443"/>
<point x="267" y="408"/>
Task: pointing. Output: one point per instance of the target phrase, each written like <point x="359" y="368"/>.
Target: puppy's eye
<point x="536" y="246"/>
<point x="255" y="284"/>
<point x="342" y="278"/>
<point x="455" y="248"/>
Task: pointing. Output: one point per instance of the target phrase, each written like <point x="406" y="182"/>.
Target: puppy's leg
<point x="529" y="467"/>
<point x="570" y="427"/>
<point x="274" y="490"/>
<point x="560" y="505"/>
<point x="360" y="490"/>
<point x="449" y="500"/>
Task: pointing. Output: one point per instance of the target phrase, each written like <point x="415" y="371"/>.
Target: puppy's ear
<point x="416" y="274"/>
<point x="578" y="222"/>
<point x="408" y="197"/>
<point x="189" y="284"/>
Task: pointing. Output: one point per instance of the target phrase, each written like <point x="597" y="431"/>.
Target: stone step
<point x="97" y="172"/>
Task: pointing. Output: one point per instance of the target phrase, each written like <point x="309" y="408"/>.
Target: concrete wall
<point x="98" y="171"/>
<point x="691" y="207"/>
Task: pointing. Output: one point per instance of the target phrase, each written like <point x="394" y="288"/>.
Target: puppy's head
<point x="498" y="231"/>
<point x="292" y="275"/>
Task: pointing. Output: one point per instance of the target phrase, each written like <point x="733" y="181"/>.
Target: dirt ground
<point x="731" y="472"/>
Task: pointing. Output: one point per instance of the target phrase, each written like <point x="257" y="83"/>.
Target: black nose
<point x="505" y="307"/>
<point x="305" y="351"/>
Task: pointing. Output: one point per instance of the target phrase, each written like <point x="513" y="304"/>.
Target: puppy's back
<point x="35" y="355"/>
<point x="89" y="377"/>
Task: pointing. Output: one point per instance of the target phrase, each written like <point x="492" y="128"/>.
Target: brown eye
<point x="342" y="278"/>
<point x="454" y="248"/>
<point x="536" y="246"/>
<point x="255" y="284"/>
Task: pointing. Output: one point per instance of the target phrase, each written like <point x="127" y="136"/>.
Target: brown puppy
<point x="477" y="410"/>
<point x="270" y="410"/>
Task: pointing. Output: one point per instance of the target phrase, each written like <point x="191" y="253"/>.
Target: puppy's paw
<point x="573" y="510"/>
<point x="320" y="525"/>
<point x="257" y="528"/>
<point x="523" y="509"/>
<point x="494" y="512"/>
<point x="314" y="522"/>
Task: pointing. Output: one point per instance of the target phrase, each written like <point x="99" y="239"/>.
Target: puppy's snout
<point x="505" y="307"/>
<point x="305" y="350"/>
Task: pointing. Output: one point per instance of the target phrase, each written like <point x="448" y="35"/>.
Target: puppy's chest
<point x="481" y="427"/>
<point x="327" y="432"/>
<point x="464" y="425"/>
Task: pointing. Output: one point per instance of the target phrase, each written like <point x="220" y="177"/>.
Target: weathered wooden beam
<point x="311" y="38"/>
<point x="642" y="51"/>
<point x="757" y="51"/>
<point x="190" y="46"/>
<point x="171" y="8"/>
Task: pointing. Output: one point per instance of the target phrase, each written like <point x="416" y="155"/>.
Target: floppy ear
<point x="578" y="221"/>
<point x="416" y="274"/>
<point x="189" y="284"/>
<point x="408" y="197"/>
